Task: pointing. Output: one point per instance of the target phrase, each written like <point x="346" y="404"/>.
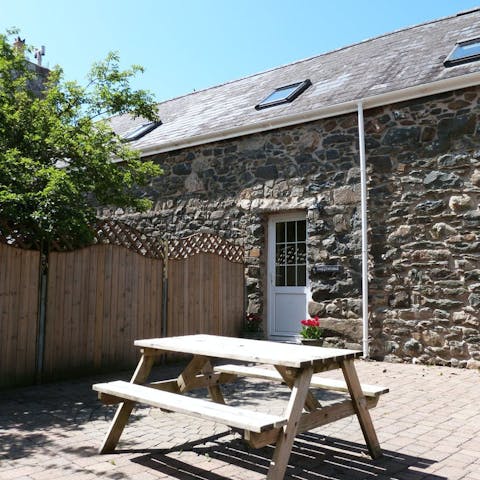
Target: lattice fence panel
<point x="205" y="243"/>
<point x="14" y="238"/>
<point x="116" y="233"/>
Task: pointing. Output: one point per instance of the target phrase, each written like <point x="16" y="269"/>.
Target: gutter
<point x="410" y="93"/>
<point x="364" y="218"/>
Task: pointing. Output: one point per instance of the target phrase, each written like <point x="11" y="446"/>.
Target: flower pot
<point x="312" y="342"/>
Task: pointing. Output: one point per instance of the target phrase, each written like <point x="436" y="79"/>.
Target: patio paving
<point x="428" y="426"/>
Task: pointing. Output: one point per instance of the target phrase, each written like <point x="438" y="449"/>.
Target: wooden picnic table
<point x="295" y="365"/>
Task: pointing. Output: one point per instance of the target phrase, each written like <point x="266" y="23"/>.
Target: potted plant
<point x="311" y="332"/>
<point x="253" y="326"/>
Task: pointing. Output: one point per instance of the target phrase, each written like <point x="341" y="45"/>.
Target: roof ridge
<point x="465" y="12"/>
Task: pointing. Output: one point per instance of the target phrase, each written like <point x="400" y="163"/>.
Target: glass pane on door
<point x="290" y="254"/>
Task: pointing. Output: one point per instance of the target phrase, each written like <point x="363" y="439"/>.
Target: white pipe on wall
<point x="363" y="206"/>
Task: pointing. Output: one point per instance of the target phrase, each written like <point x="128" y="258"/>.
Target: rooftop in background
<point x="372" y="70"/>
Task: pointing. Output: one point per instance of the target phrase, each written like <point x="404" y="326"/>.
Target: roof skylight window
<point x="140" y="131"/>
<point x="284" y="94"/>
<point x="464" y="52"/>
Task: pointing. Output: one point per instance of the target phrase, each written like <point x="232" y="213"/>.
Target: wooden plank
<point x="99" y="306"/>
<point x="9" y="300"/>
<point x="107" y="308"/>
<point x="238" y="314"/>
<point x="190" y="372"/>
<point x="32" y="296"/>
<point x="115" y="321"/>
<point x="55" y="325"/>
<point x="129" y="304"/>
<point x="91" y="292"/>
<point x="66" y="349"/>
<point x="213" y="389"/>
<point x="3" y="312"/>
<point x="293" y="412"/>
<point x="124" y="410"/>
<point x="206" y="410"/>
<point x="289" y="375"/>
<point x="77" y="333"/>
<point x="148" y="298"/>
<point x="121" y="343"/>
<point x="317" y="381"/>
<point x="258" y="351"/>
<point x="24" y="330"/>
<point x="52" y="306"/>
<point x="360" y="406"/>
<point x="141" y="295"/>
<point x="310" y="421"/>
<point x="157" y="295"/>
<point x="13" y="315"/>
<point x="12" y="309"/>
<point x="199" y="381"/>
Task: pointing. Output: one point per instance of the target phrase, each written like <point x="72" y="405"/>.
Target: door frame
<point x="270" y="274"/>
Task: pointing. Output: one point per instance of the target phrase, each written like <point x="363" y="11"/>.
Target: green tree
<point x="58" y="156"/>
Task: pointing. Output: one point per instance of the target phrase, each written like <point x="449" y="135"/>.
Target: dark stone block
<point x="267" y="172"/>
<point x="473" y="215"/>
<point x="322" y="292"/>
<point x="338" y="138"/>
<point x="407" y="157"/>
<point x="346" y="288"/>
<point x="380" y="163"/>
<point x="332" y="154"/>
<point x="402" y="136"/>
<point x="428" y="134"/>
<point x="303" y="158"/>
<point x="182" y="169"/>
<point x="430" y="206"/>
<point x="371" y="143"/>
<point x="472" y="275"/>
<point x="441" y="180"/>
<point x="450" y="128"/>
<point x="474" y="300"/>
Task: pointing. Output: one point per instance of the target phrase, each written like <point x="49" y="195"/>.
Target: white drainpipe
<point x="363" y="206"/>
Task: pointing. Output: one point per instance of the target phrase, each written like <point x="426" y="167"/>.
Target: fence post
<point x="42" y="314"/>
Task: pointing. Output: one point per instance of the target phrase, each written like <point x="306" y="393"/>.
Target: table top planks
<point x="257" y="351"/>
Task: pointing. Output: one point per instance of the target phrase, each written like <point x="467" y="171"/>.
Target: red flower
<point x="311" y="328"/>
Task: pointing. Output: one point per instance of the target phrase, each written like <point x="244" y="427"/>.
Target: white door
<point x="287" y="275"/>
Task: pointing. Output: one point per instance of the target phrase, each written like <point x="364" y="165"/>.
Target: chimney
<point x="39" y="53"/>
<point x="19" y="45"/>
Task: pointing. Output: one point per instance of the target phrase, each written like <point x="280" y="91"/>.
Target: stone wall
<point x="423" y="183"/>
<point x="424" y="158"/>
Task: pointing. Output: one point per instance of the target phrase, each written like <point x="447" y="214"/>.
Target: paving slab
<point x="428" y="427"/>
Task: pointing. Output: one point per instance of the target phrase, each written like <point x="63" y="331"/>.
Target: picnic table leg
<point x="360" y="406"/>
<point x="124" y="410"/>
<point x="311" y="402"/>
<point x="214" y="391"/>
<point x="199" y="364"/>
<point x="284" y="443"/>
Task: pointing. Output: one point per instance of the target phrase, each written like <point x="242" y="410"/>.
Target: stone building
<point x="272" y="162"/>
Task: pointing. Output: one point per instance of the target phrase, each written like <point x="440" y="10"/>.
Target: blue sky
<point x="188" y="45"/>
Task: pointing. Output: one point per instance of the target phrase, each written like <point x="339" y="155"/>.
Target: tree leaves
<point x="59" y="158"/>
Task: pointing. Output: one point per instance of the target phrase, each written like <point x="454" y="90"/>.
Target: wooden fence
<point x="205" y="286"/>
<point x="100" y="299"/>
<point x="103" y="297"/>
<point x="19" y="291"/>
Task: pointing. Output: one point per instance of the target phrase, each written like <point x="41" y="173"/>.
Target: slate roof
<point x="405" y="58"/>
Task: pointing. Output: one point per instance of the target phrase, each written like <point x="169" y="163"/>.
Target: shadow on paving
<point x="28" y="415"/>
<point x="313" y="457"/>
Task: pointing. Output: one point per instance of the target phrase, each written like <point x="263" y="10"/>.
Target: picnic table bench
<point x="294" y="365"/>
